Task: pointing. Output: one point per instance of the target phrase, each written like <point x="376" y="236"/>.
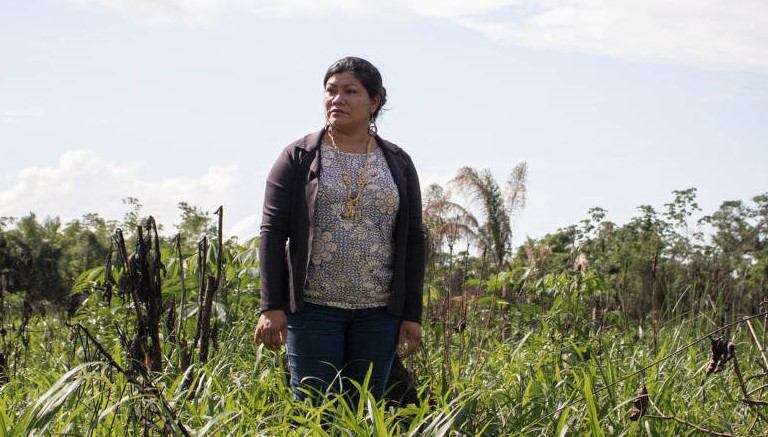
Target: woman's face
<point x="347" y="103"/>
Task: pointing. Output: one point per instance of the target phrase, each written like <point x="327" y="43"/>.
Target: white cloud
<point x="288" y="8"/>
<point x="193" y="12"/>
<point x="454" y="9"/>
<point x="207" y="12"/>
<point x="711" y="33"/>
<point x="245" y="228"/>
<point x="13" y="115"/>
<point x="83" y="182"/>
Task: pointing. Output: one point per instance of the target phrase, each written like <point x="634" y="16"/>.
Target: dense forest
<point x="565" y="334"/>
<point x="663" y="258"/>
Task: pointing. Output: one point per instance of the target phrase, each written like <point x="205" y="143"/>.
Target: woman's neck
<point x="349" y="142"/>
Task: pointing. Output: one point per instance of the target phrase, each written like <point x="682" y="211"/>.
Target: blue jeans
<point x="329" y="346"/>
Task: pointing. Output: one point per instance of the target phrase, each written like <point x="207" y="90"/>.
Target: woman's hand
<point x="410" y="337"/>
<point x="272" y="329"/>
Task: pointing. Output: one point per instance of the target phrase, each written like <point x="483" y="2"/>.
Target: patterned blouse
<point x="351" y="262"/>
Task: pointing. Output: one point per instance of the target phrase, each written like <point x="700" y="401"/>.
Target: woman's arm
<point x="275" y="229"/>
<point x="415" y="249"/>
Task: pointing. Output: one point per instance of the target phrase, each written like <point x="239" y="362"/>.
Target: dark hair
<point x="365" y="72"/>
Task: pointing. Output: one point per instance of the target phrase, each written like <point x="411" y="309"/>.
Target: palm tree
<point x="446" y="222"/>
<point x="37" y="249"/>
<point x="496" y="206"/>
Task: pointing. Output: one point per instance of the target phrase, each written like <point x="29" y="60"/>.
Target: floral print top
<point x="351" y="262"/>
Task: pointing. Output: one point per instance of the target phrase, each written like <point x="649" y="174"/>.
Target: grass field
<point x="485" y="369"/>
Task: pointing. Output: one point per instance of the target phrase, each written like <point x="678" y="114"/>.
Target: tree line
<point x="42" y="258"/>
<point x="660" y="264"/>
<point x="662" y="261"/>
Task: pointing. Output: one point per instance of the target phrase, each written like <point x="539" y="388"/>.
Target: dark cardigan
<point x="289" y="209"/>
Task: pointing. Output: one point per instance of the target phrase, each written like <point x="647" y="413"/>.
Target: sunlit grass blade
<point x="589" y="399"/>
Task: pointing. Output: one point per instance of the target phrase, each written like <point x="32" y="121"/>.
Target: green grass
<point x="544" y="376"/>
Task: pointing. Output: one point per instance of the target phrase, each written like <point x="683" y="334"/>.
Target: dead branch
<point x="762" y="365"/>
<point x="758" y="343"/>
<point x="180" y="329"/>
<point x="154" y="297"/>
<point x="144" y="387"/>
<point x="220" y="247"/>
<point x="109" y="281"/>
<point x="639" y="404"/>
<point x="721" y="353"/>
<point x="677" y="351"/>
<point x="204" y="322"/>
<point x="123" y="252"/>
<point x="226" y="422"/>
<point x="757" y="389"/>
<point x="202" y="273"/>
<point x="743" y="387"/>
<point x="698" y="428"/>
<point x="755" y="402"/>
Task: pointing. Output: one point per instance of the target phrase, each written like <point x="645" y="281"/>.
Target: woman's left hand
<point x="410" y="337"/>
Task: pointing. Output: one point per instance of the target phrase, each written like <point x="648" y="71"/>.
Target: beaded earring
<point x="373" y="130"/>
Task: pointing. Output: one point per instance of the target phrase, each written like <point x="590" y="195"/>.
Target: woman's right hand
<point x="272" y="329"/>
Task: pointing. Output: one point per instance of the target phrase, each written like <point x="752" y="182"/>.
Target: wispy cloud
<point x="208" y="12"/>
<point x="314" y="8"/>
<point x="192" y="12"/>
<point x="8" y="115"/>
<point x="84" y="182"/>
<point x="710" y="33"/>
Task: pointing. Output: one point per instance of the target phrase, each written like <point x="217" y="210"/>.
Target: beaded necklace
<point x="353" y="209"/>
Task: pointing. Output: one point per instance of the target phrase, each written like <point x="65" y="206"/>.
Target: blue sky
<point x="611" y="103"/>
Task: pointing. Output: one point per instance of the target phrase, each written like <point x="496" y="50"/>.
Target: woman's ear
<point x="376" y="103"/>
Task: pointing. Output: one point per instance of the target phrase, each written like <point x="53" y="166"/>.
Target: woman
<point x="346" y="291"/>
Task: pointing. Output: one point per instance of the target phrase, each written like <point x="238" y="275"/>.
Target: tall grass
<point x="553" y="372"/>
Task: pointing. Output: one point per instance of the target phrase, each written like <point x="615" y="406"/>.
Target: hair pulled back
<point x="365" y="72"/>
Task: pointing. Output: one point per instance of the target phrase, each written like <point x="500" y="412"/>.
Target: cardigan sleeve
<point x="275" y="229"/>
<point x="415" y="249"/>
